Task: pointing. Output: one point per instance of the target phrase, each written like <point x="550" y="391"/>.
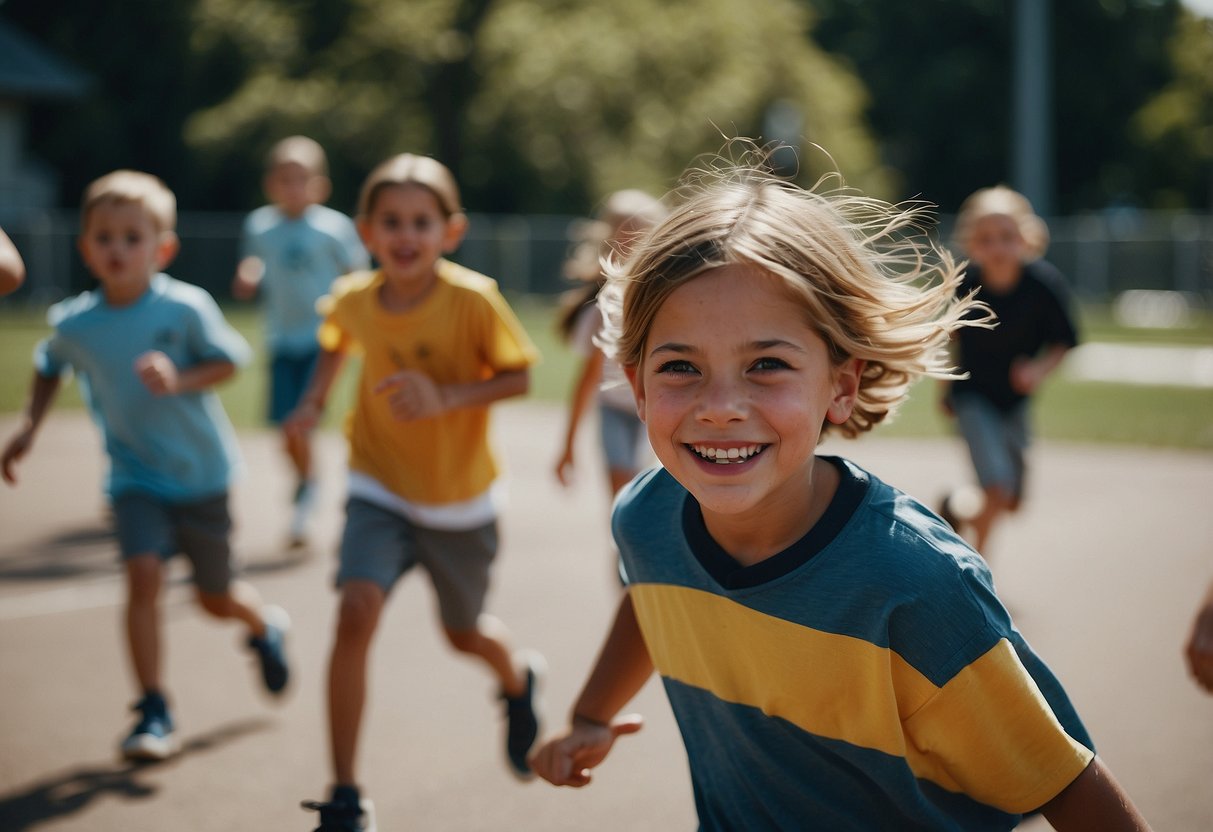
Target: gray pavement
<point x="1102" y="571"/>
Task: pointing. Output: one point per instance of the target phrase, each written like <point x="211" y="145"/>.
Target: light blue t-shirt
<point x="177" y="448"/>
<point x="302" y="256"/>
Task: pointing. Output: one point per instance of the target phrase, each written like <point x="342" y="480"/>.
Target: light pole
<point x="1032" y="117"/>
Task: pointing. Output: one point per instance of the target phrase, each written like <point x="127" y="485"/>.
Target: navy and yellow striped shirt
<point x="866" y="678"/>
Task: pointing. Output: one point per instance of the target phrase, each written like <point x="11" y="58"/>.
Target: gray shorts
<point x="379" y="545"/>
<point x="997" y="440"/>
<point x="202" y="530"/>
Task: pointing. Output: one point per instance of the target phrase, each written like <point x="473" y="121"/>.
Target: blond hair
<point x="298" y="150"/>
<point x="133" y="187"/>
<point x="869" y="281"/>
<point x="1002" y="201"/>
<point x="409" y="169"/>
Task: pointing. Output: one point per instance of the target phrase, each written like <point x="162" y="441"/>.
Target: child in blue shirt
<point x="292" y="250"/>
<point x="835" y="655"/>
<point x="148" y="350"/>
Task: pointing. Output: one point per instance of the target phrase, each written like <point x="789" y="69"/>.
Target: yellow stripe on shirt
<point x="845" y="688"/>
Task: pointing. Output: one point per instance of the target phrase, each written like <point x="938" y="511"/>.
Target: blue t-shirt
<point x="177" y="448"/>
<point x="865" y="678"/>
<point x="302" y="256"/>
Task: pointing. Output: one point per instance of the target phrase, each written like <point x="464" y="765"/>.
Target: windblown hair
<point x="869" y="280"/>
<point x="298" y="150"/>
<point x="410" y="169"/>
<point x="1001" y="200"/>
<point x="132" y="186"/>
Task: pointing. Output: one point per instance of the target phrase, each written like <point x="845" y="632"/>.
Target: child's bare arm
<point x="1094" y="801"/>
<point x="164" y="378"/>
<point x="307" y="413"/>
<point x="42" y="395"/>
<point x="622" y="668"/>
<point x="583" y="394"/>
<point x="414" y="395"/>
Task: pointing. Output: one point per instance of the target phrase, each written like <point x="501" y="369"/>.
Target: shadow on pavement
<point x="72" y="791"/>
<point x="85" y="550"/>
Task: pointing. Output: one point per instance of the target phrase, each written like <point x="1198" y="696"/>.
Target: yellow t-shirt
<point x="464" y="331"/>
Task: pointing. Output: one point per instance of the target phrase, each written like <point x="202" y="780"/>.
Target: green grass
<point x="1066" y="409"/>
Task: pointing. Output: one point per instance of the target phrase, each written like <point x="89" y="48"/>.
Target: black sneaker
<point x="345" y="812"/>
<point x="152" y="737"/>
<point x="522" y="719"/>
<point x="271" y="649"/>
<point x="946" y="513"/>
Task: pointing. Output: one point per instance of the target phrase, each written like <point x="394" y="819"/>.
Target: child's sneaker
<point x="345" y="812"/>
<point x="301" y="515"/>
<point x="152" y="737"/>
<point x="271" y="649"/>
<point x="522" y="718"/>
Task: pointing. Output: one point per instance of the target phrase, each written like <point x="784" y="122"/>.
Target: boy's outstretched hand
<point x="567" y="760"/>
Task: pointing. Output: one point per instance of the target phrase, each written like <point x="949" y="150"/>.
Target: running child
<point x="834" y="654"/>
<point x="625" y="217"/>
<point x="148" y="350"/>
<point x="1005" y="364"/>
<point x="293" y="249"/>
<point x="439" y="344"/>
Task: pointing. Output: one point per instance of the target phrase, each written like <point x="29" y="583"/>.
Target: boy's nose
<point x="723" y="400"/>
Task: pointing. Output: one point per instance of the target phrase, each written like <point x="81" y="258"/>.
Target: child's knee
<point x="465" y="641"/>
<point x="358" y="613"/>
<point x="143" y="579"/>
<point x="218" y="604"/>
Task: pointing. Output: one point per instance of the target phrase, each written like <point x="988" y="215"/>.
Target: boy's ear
<point x="637" y="385"/>
<point x="456" y="227"/>
<point x="846" y="389"/>
<point x="167" y="249"/>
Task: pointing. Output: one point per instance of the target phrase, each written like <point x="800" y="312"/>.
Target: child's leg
<point x="299" y="450"/>
<point x="239" y="601"/>
<point x="144" y="579"/>
<point x="357" y="619"/>
<point x="489" y="641"/>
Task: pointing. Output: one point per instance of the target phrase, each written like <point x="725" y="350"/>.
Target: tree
<point x="940" y="85"/>
<point x="535" y="106"/>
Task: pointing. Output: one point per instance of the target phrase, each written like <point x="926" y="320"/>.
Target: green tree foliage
<point x="939" y="76"/>
<point x="536" y="106"/>
<point x="1178" y="120"/>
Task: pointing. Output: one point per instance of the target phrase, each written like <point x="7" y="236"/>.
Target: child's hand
<point x="1026" y="376"/>
<point x="412" y="395"/>
<point x="564" y="468"/>
<point x="1200" y="647"/>
<point x="16" y="448"/>
<point x="158" y="373"/>
<point x="302" y="420"/>
<point x="248" y="278"/>
<point x="567" y="760"/>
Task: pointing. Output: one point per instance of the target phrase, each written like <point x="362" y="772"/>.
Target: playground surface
<point x="1102" y="571"/>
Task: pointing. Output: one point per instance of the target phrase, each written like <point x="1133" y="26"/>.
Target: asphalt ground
<point x="1102" y="570"/>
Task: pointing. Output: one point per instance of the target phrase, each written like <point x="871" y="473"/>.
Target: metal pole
<point x="1032" y="118"/>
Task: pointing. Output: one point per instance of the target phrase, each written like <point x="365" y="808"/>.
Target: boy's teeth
<point x="725" y="456"/>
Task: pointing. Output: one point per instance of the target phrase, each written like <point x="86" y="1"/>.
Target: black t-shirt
<point x="1031" y="316"/>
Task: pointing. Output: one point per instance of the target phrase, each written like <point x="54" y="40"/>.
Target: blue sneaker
<point x="271" y="649"/>
<point x="152" y="737"/>
<point x="346" y="811"/>
<point x="522" y="719"/>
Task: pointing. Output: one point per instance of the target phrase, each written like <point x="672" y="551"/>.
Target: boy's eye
<point x="133" y="239"/>
<point x="769" y="363"/>
<point x="677" y="367"/>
